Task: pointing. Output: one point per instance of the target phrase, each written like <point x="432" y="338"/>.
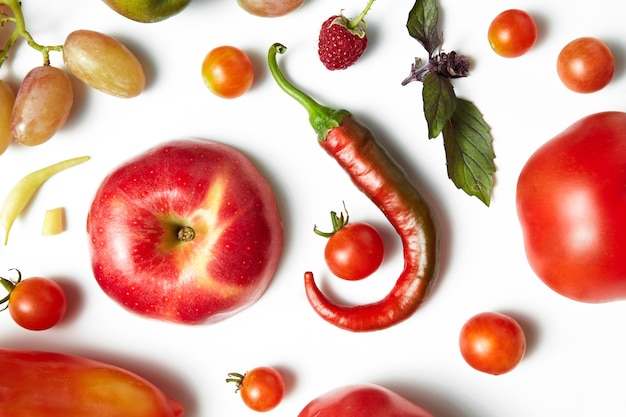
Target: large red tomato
<point x="188" y="232"/>
<point x="571" y="200"/>
<point x="362" y="400"/>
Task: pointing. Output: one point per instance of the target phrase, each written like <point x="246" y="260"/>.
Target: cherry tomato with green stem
<point x="492" y="342"/>
<point x="354" y="250"/>
<point x="512" y="33"/>
<point x="585" y="65"/>
<point x="261" y="389"/>
<point x="35" y="303"/>
<point x="228" y="71"/>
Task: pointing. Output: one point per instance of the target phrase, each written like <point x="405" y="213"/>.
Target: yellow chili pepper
<point x="21" y="194"/>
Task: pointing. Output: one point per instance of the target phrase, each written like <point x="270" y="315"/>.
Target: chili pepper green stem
<point x="322" y="118"/>
<point x="21" y="194"/>
<point x="20" y="31"/>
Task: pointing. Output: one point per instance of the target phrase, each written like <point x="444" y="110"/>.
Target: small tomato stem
<point x="9" y="286"/>
<point x="337" y="221"/>
<point x="236" y="378"/>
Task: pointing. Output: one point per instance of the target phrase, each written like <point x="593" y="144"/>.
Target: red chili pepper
<point x="35" y="383"/>
<point x="378" y="176"/>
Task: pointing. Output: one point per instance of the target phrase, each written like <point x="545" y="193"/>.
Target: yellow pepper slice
<point x="21" y="194"/>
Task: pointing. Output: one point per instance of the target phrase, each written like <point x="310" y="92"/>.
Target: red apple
<point x="186" y="232"/>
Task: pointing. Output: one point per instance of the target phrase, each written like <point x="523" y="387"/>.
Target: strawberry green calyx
<point x="355" y="25"/>
<point x="357" y="29"/>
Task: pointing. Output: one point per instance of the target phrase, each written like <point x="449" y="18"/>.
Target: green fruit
<point x="147" y="11"/>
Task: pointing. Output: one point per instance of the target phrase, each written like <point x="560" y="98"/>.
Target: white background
<point x="575" y="362"/>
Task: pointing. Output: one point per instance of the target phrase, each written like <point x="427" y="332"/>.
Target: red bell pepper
<point x="48" y="384"/>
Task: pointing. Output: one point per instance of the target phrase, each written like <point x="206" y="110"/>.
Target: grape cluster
<point x="44" y="99"/>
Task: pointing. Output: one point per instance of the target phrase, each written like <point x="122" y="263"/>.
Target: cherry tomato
<point x="354" y="250"/>
<point x="492" y="342"/>
<point x="227" y="71"/>
<point x="262" y="388"/>
<point x="585" y="65"/>
<point x="37" y="303"/>
<point x="512" y="33"/>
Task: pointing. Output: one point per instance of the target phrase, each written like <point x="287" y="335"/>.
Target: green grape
<point x="42" y="105"/>
<point x="103" y="63"/>
<point x="7" y="98"/>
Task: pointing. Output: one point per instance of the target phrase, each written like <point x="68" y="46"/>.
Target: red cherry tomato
<point x="37" y="303"/>
<point x="227" y="71"/>
<point x="354" y="252"/>
<point x="585" y="65"/>
<point x="492" y="342"/>
<point x="512" y="33"/>
<point x="262" y="388"/>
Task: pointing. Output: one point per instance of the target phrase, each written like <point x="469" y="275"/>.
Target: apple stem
<point x="186" y="234"/>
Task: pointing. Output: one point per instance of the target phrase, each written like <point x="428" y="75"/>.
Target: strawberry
<point x="342" y="41"/>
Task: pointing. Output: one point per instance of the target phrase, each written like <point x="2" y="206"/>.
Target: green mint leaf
<point x="469" y="151"/>
<point x="423" y="24"/>
<point x="439" y="102"/>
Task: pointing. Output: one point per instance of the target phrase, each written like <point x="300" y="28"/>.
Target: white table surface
<point x="575" y="362"/>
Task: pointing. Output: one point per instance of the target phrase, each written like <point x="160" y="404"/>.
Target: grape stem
<point x="20" y="32"/>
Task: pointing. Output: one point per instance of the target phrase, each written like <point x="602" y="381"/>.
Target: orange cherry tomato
<point x="227" y="71"/>
<point x="585" y="65"/>
<point x="261" y="389"/>
<point x="37" y="303"/>
<point x="492" y="342"/>
<point x="512" y="33"/>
